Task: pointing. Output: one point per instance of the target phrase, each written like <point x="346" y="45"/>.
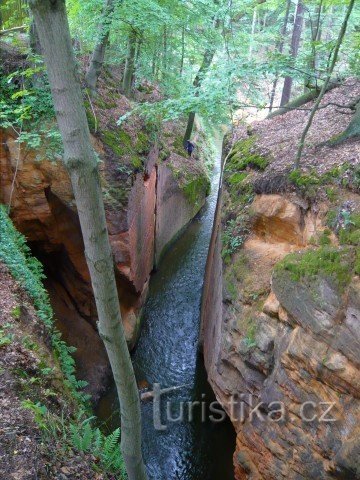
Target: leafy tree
<point x="81" y="163"/>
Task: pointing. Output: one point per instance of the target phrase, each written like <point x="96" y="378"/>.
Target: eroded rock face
<point x="43" y="209"/>
<point x="295" y="341"/>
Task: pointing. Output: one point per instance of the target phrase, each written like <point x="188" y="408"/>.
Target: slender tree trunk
<point x="81" y="164"/>
<point x="302" y="99"/>
<point x="164" y="50"/>
<point x="153" y="64"/>
<point x="138" y="53"/>
<point x="98" y="56"/>
<point x="34" y="41"/>
<point x="253" y="29"/>
<point x="1" y="17"/>
<point x="280" y="49"/>
<point x="326" y="83"/>
<point x="315" y="32"/>
<point x="130" y="64"/>
<point x="208" y="57"/>
<point x="295" y="42"/>
<point x="182" y="50"/>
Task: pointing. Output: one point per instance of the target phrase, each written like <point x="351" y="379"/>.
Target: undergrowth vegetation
<point x="77" y="431"/>
<point x="338" y="264"/>
<point x="26" y="109"/>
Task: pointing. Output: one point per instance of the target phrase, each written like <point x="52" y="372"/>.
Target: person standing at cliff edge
<point x="189" y="147"/>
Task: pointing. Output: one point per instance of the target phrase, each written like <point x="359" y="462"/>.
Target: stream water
<point x="167" y="354"/>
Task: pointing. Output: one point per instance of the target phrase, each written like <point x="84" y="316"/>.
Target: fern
<point x="85" y="438"/>
<point x="110" y="450"/>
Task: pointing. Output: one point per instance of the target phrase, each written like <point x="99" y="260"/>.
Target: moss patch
<point x="243" y="155"/>
<point x="178" y="146"/>
<point x="116" y="142"/>
<point x="196" y="189"/>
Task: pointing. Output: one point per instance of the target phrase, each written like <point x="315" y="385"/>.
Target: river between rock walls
<point x="167" y="354"/>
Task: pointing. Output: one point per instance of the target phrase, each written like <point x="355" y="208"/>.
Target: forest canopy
<point x="253" y="44"/>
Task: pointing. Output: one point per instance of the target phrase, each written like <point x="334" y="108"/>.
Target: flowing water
<point x="167" y="354"/>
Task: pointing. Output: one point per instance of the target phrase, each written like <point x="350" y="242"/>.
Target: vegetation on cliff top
<point x="338" y="264"/>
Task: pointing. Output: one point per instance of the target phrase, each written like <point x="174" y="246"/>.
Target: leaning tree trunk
<point x="208" y="56"/>
<point x="81" y="164"/>
<point x="352" y="131"/>
<point x="129" y="64"/>
<point x="295" y="42"/>
<point x="97" y="58"/>
<point x="326" y="83"/>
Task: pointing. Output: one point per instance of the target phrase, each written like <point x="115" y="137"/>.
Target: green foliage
<point x="40" y="411"/>
<point x="331" y="193"/>
<point x="304" y="179"/>
<point x="16" y="312"/>
<point x="28" y="271"/>
<point x="331" y="218"/>
<point x="335" y="263"/>
<point x="237" y="178"/>
<point x="325" y="238"/>
<point x="249" y="339"/>
<point x="86" y="438"/>
<point x="28" y="110"/>
<point x="121" y="143"/>
<point x="5" y="338"/>
<point x="233" y="238"/>
<point x="350" y="234"/>
<point x="80" y="435"/>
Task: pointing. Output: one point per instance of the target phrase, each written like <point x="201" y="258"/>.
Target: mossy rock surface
<point x="191" y="177"/>
<point x="197" y="189"/>
<point x="243" y="155"/>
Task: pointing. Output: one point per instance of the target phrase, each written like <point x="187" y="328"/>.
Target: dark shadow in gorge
<point x="75" y="318"/>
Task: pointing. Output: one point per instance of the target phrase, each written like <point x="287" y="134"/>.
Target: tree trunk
<point x="34" y="41"/>
<point x="1" y="17"/>
<point x="253" y="29"/>
<point x="164" y="50"/>
<point x="280" y="49"/>
<point x="208" y="56"/>
<point x="326" y="83"/>
<point x="352" y="131"/>
<point x="302" y="99"/>
<point x="97" y="58"/>
<point x="294" y="48"/>
<point x="137" y="55"/>
<point x="182" y="50"/>
<point x="81" y="164"/>
<point x="153" y="63"/>
<point x="315" y="36"/>
<point x="130" y="64"/>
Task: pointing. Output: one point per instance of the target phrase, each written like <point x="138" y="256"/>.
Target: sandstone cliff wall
<point x="155" y="209"/>
<point x="281" y="323"/>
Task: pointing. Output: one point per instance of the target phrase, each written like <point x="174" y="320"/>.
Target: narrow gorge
<point x="234" y="236"/>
